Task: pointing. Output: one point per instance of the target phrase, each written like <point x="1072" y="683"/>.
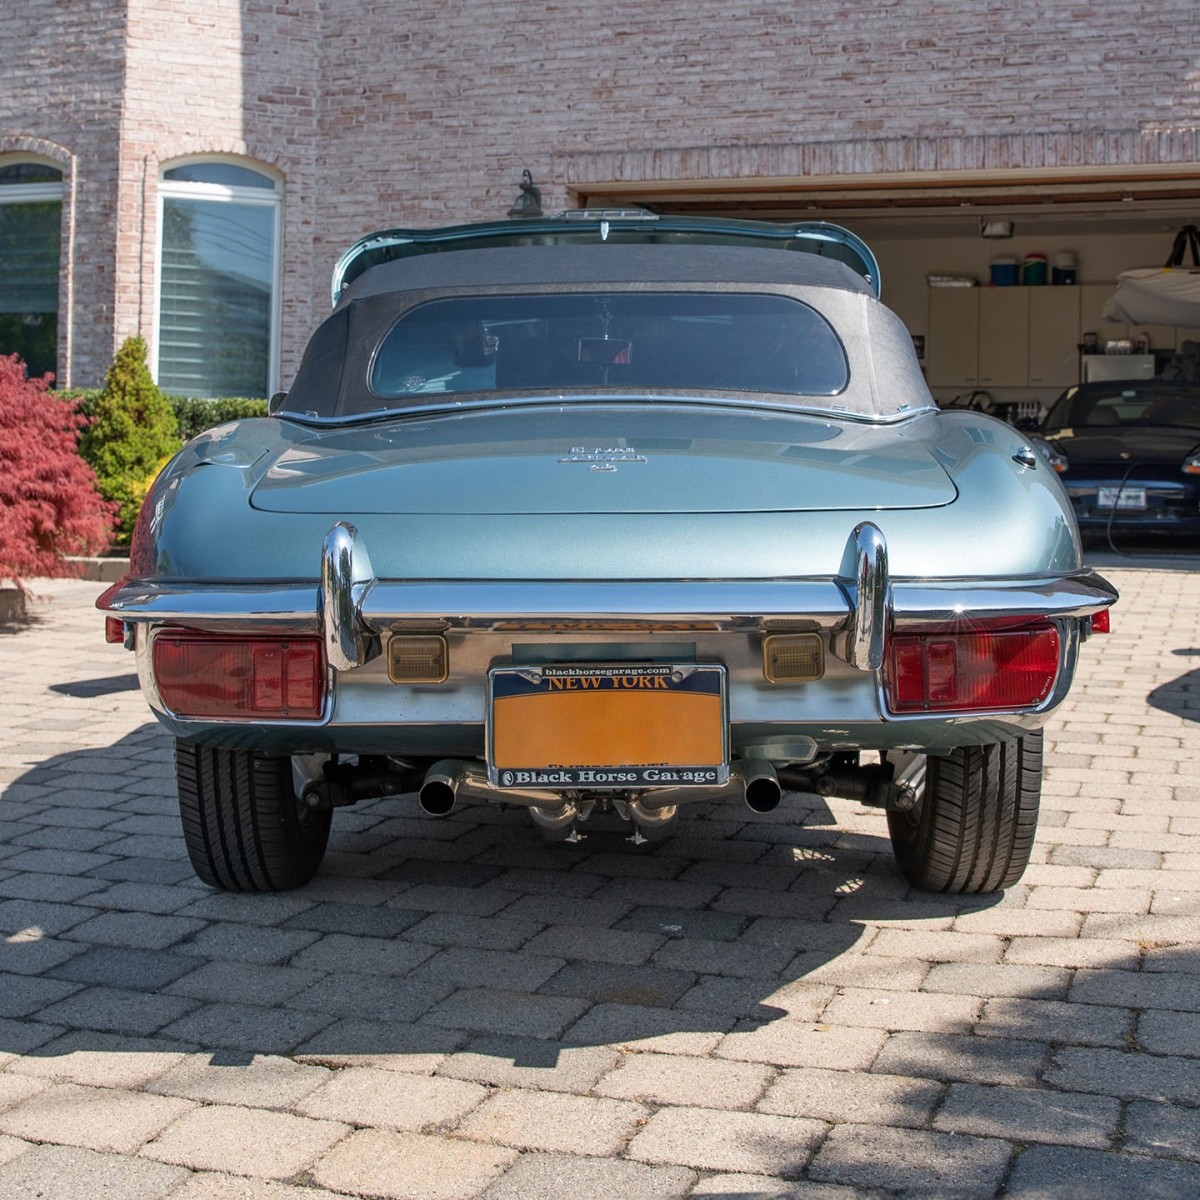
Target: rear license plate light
<point x="972" y="670"/>
<point x="210" y="676"/>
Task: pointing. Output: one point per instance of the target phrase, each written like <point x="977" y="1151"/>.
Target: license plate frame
<point x="1123" y="499"/>
<point x="608" y="726"/>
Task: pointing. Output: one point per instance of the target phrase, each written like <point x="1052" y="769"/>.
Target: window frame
<point x="53" y="191"/>
<point x="259" y="197"/>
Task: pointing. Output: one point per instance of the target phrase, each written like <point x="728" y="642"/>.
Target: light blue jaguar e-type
<point x="608" y="513"/>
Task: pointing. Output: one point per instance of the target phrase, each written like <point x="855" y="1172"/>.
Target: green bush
<point x="195" y="416"/>
<point x="131" y="435"/>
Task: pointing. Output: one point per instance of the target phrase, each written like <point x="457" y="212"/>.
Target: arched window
<point x="30" y="219"/>
<point x="218" y="280"/>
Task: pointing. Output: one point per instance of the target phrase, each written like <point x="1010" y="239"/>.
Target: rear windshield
<point x="693" y="341"/>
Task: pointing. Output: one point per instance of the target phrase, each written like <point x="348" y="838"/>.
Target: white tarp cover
<point x="1156" y="296"/>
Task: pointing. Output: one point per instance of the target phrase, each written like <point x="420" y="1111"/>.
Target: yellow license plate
<point x="608" y="726"/>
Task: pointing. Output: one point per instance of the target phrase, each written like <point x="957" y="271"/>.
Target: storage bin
<point x="1004" y="272"/>
<point x="1033" y="270"/>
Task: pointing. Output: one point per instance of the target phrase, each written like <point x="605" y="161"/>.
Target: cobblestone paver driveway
<point x="756" y="1007"/>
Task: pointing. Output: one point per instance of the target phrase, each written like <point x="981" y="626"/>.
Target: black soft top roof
<point x="583" y="265"/>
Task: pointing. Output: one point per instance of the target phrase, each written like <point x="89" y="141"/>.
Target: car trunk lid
<point x="670" y="457"/>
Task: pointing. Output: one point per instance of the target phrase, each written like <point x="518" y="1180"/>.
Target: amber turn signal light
<point x="417" y="658"/>
<point x="793" y="657"/>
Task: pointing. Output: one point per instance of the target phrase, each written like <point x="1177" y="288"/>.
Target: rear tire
<point x="244" y="828"/>
<point x="973" y="828"/>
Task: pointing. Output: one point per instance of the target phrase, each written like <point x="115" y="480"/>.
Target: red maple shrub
<point x="49" y="504"/>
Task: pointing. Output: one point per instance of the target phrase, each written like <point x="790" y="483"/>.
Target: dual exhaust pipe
<point x="753" y="781"/>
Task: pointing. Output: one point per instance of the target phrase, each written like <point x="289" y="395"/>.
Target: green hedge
<point x="194" y="416"/>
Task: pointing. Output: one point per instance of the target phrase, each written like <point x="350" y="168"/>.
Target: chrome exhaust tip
<point x="760" y="786"/>
<point x="439" y="789"/>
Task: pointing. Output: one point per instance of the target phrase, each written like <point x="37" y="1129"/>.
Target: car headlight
<point x="1052" y="454"/>
<point x="1191" y="464"/>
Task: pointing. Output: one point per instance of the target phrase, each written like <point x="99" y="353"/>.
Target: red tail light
<point x="1101" y="621"/>
<point x="971" y="669"/>
<point x="208" y="675"/>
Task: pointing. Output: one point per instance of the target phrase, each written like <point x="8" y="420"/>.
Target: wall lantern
<point x="529" y="202"/>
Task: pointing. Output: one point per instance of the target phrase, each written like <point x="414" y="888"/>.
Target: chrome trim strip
<point x="719" y="605"/>
<point x="872" y="600"/>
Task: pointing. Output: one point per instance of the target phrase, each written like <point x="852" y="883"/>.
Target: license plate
<point x="1118" y="498"/>
<point x="608" y="726"/>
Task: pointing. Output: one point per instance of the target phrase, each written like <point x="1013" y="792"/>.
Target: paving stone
<point x="789" y="1043"/>
<point x="505" y="969"/>
<point x="757" y="999"/>
<point x="890" y="1010"/>
<point x="248" y="983"/>
<point x="100" y="1060"/>
<point x="553" y="1176"/>
<point x="104" y="1119"/>
<point x="1079" y="1174"/>
<point x="685" y="1079"/>
<point x="912" y="1160"/>
<point x="532" y="1063"/>
<point x="1174" y="1033"/>
<point x="1030" y="1115"/>
<point x="145" y="931"/>
<point x="732" y="1141"/>
<point x="117" y="1010"/>
<point x="245" y="1141"/>
<point x="410" y="1166"/>
<point x="68" y="1173"/>
<point x="486" y="1010"/>
<point x="758" y="1187"/>
<point x="636" y="1027"/>
<point x="265" y="1081"/>
<point x="1126" y="1074"/>
<point x="46" y="917"/>
<point x="553" y="1121"/>
<point x="1004" y="1061"/>
<point x="853" y="1096"/>
<point x="391" y="1100"/>
<point x="212" y="1186"/>
<point x="246" y="943"/>
<point x="1054" y="1021"/>
<point x="1110" y="955"/>
<point x="245" y="1027"/>
<point x="684" y="923"/>
<point x="426" y="898"/>
<point x="28" y="953"/>
<point x="617" y="983"/>
<point x="375" y="921"/>
<point x="1137" y="989"/>
<point x="123" y="967"/>
<point x="595" y="945"/>
<point x="479" y="933"/>
<point x="386" y="1045"/>
<point x="973" y="979"/>
<point x="1167" y="1130"/>
<point x="751" y="960"/>
<point x="382" y="996"/>
<point x="46" y="886"/>
<point x="937" y="946"/>
<point x="341" y="952"/>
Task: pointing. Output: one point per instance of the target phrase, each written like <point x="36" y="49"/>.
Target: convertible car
<point x="608" y="513"/>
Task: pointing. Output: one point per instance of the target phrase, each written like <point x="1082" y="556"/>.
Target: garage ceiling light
<point x="995" y="229"/>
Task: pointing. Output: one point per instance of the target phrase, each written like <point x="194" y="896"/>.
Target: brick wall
<point x="60" y="98"/>
<point x="390" y="112"/>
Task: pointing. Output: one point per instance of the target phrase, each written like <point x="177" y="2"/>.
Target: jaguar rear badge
<point x="602" y="458"/>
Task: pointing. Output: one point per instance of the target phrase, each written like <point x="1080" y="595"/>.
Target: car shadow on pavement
<point x="779" y="952"/>
<point x="1180" y="697"/>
